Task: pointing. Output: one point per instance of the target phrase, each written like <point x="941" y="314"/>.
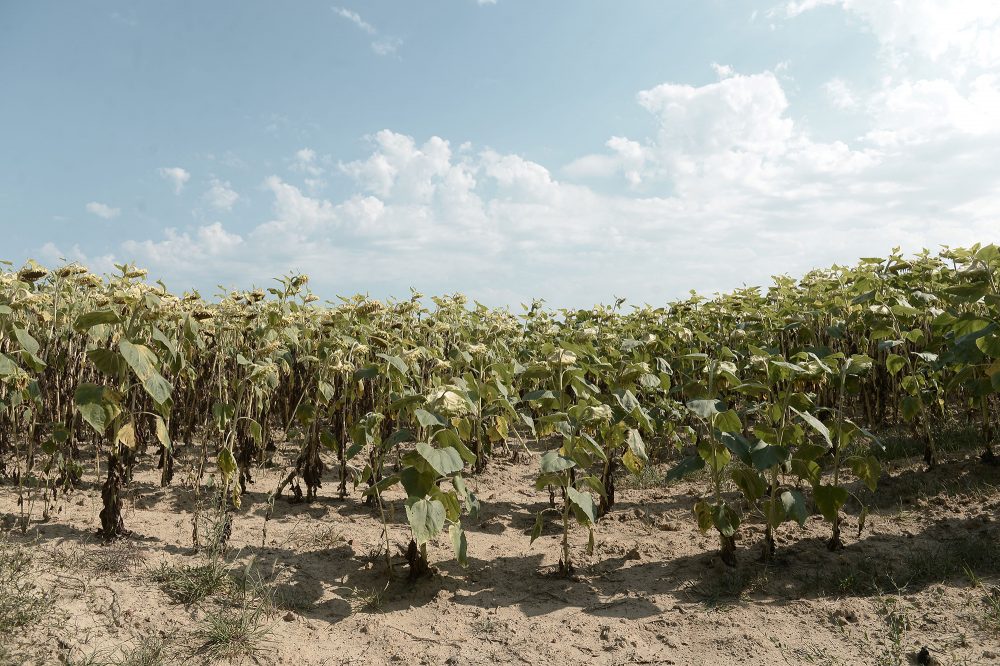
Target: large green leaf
<point x="90" y="402"/>
<point x="553" y="462"/>
<point x="728" y="421"/>
<point x="765" y="456"/>
<point x="829" y="500"/>
<point x="867" y="468"/>
<point x="448" y="437"/>
<point x="28" y="343"/>
<point x="109" y="362"/>
<point x="795" y="506"/>
<point x="816" y="425"/>
<point x="689" y="465"/>
<point x="426" y="518"/>
<point x="444" y="461"/>
<point x="706" y="409"/>
<point x="140" y="358"/>
<point x="584" y="507"/>
<point x="636" y="446"/>
<point x="416" y="482"/>
<point x="428" y="419"/>
<point x="87" y="321"/>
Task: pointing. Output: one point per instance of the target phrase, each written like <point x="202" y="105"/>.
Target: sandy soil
<point x="921" y="575"/>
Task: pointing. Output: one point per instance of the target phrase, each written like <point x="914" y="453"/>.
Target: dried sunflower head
<point x="31" y="272"/>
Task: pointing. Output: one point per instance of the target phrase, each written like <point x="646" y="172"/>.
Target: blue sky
<point x="574" y="151"/>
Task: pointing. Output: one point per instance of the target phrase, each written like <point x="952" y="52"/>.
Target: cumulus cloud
<point x="727" y="186"/>
<point x="177" y="176"/>
<point x="103" y="210"/>
<point x="52" y="255"/>
<point x="503" y="228"/>
<point x="963" y="33"/>
<point x="840" y="94"/>
<point x="221" y="196"/>
<point x="184" y="250"/>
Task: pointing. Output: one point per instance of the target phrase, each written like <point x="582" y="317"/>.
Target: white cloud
<point x="382" y="45"/>
<point x="306" y="161"/>
<point x="386" y="45"/>
<point x="103" y="210"/>
<point x="356" y="19"/>
<point x="728" y="187"/>
<point x="941" y="64"/>
<point x="177" y="176"/>
<point x="627" y="157"/>
<point x="182" y="250"/>
<point x="840" y="94"/>
<point x="221" y="196"/>
<point x="51" y="255"/>
<point x="963" y="33"/>
<point x="722" y="71"/>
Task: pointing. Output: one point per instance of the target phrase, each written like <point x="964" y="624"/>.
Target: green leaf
<point x="158" y="389"/>
<point x="816" y="425"/>
<point x="795" y="506"/>
<point x="448" y="437"/>
<point x="396" y="362"/>
<point x="894" y="363"/>
<point x="765" y="456"/>
<point x="417" y="483"/>
<point x="705" y="408"/>
<point x="452" y="509"/>
<point x="90" y="402"/>
<point x="459" y="543"/>
<point x="728" y="421"/>
<point x="636" y="446"/>
<point x="738" y="446"/>
<point x="910" y="407"/>
<point x="703" y="515"/>
<point x="426" y="518"/>
<point x="716" y="457"/>
<point x="406" y="401"/>
<point x="553" y="462"/>
<point x="367" y="372"/>
<point x="807" y="470"/>
<point x="162" y="433"/>
<point x="109" y="362"/>
<point x="87" y="321"/>
<point x="725" y="519"/>
<point x="7" y="366"/>
<point x="829" y="500"/>
<point x="536" y="530"/>
<point x="749" y="483"/>
<point x="585" y="509"/>
<point x="866" y="468"/>
<point x="990" y="345"/>
<point x="382" y="485"/>
<point x="28" y="343"/>
<point x="687" y="466"/>
<point x="140" y="358"/>
<point x="444" y="461"/>
<point x="428" y="419"/>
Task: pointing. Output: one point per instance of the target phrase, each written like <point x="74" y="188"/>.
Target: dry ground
<point x="308" y="586"/>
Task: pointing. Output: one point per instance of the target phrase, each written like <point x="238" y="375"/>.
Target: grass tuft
<point x="21" y="601"/>
<point x="233" y="634"/>
<point x="190" y="584"/>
